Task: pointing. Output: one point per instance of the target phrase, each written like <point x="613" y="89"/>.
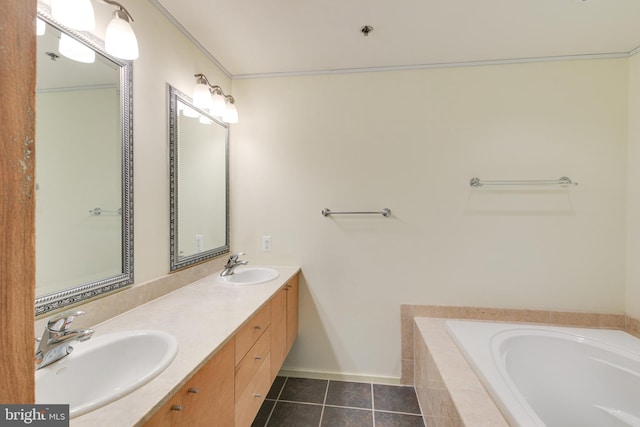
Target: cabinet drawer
<point x="251" y="331"/>
<point x="252" y="361"/>
<point x="250" y="400"/>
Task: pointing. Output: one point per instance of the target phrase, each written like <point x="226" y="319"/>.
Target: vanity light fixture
<point x="75" y="14"/>
<point x="211" y="98"/>
<point x="120" y="40"/>
<point x="73" y="49"/>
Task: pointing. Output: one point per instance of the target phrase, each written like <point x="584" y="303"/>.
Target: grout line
<point x="266" y="423"/>
<point x="373" y="407"/>
<point x="301" y="403"/>
<point x="324" y="401"/>
<point x="282" y="388"/>
<point x="275" y="402"/>
<point x="398" y="412"/>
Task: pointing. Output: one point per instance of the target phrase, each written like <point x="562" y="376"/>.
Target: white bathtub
<point x="555" y="376"/>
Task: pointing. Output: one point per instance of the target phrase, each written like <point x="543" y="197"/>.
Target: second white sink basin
<point x="249" y="276"/>
<point x="105" y="368"/>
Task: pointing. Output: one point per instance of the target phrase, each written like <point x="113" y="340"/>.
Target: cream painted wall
<point x="410" y="141"/>
<point x="166" y="56"/>
<point x="633" y="194"/>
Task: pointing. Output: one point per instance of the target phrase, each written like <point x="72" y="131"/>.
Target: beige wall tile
<point x="632" y="326"/>
<point x="573" y="319"/>
<point x="528" y="316"/>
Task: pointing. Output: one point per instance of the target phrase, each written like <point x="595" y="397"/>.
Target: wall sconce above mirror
<point x="213" y="100"/>
<point x="199" y="183"/>
<point x="120" y="40"/>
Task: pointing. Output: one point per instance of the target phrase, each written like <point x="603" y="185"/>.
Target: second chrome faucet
<point x="232" y="263"/>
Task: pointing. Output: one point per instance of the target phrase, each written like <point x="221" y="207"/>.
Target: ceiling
<point x="267" y="37"/>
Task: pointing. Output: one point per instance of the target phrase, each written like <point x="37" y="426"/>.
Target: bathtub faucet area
<point x="57" y="338"/>
<point x="232" y="263"/>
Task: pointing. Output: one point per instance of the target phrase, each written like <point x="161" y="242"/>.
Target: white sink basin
<point x="104" y="369"/>
<point x="249" y="276"/>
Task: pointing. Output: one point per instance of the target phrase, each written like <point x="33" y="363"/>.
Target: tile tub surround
<point x="303" y="402"/>
<point x="203" y="316"/>
<point x="409" y="312"/>
<point x="449" y="392"/>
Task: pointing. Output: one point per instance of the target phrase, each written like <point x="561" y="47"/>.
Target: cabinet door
<point x="292" y="311"/>
<point x="209" y="394"/>
<point x="169" y="414"/>
<point x="278" y="331"/>
<point x="206" y="399"/>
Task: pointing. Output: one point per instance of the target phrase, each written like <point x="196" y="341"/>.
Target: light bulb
<point x="119" y="38"/>
<point x="76" y="14"/>
<point x="231" y="114"/>
<point x="218" y="104"/>
<point x="201" y="95"/>
<point x="73" y="49"/>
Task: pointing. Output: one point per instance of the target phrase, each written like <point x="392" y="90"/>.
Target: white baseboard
<point x="338" y="376"/>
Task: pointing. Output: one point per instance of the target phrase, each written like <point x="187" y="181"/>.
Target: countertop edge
<point x="232" y="306"/>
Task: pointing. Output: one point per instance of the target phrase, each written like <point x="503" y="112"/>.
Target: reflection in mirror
<point x="199" y="183"/>
<point x="83" y="169"/>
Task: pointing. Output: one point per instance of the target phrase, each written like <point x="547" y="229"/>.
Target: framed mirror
<point x="84" y="167"/>
<point x="199" y="183"/>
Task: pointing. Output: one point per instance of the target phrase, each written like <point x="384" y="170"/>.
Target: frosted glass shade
<point x="76" y="14"/>
<point x="73" y="49"/>
<point x="231" y="114"/>
<point x="202" y="96"/>
<point x="119" y="38"/>
<point x="218" y="105"/>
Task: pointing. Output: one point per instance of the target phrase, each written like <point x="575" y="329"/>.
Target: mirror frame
<point x="177" y="263"/>
<point x="86" y="291"/>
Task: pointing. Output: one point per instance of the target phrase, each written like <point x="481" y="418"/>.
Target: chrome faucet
<point x="57" y="338"/>
<point x="232" y="263"/>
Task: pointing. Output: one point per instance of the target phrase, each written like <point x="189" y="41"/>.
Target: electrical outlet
<point x="266" y="243"/>
<point x="199" y="243"/>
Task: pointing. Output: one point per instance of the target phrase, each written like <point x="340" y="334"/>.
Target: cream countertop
<point x="203" y="316"/>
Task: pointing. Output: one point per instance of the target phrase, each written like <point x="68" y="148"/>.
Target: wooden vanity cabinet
<point x="206" y="399"/>
<point x="229" y="389"/>
<point x="284" y="324"/>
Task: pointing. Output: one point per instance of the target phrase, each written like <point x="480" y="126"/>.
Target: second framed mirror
<point x="199" y="183"/>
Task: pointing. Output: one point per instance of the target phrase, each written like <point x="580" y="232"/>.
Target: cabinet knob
<point x="176" y="407"/>
<point x="193" y="390"/>
<point x="257" y="395"/>
<point x="258" y="357"/>
<point x="258" y="327"/>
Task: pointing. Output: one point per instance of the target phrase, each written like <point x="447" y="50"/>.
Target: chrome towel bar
<point x="100" y="211"/>
<point x="475" y="182"/>
<point x="383" y="212"/>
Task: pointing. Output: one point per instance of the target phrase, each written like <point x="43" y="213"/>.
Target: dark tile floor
<point x="303" y="402"/>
